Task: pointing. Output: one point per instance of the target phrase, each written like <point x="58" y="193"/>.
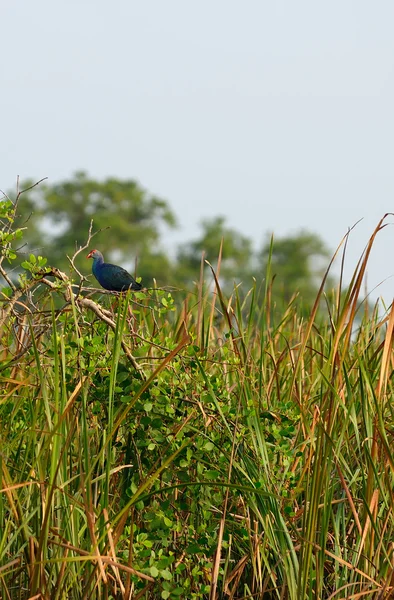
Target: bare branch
<point x="82" y="248"/>
<point x="5" y="276"/>
<point x="29" y="188"/>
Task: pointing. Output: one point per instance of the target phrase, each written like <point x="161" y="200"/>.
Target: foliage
<point x="59" y="216"/>
<point x="151" y="451"/>
<point x="297" y="263"/>
<point x="236" y="252"/>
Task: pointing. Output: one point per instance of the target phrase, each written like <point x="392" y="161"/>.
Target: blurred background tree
<point x="57" y="217"/>
<point x="237" y="253"/>
<point x="298" y="263"/>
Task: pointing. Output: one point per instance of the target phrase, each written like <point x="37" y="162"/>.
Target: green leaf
<point x="177" y="591"/>
<point x="211" y="474"/>
<point x="166" y="574"/>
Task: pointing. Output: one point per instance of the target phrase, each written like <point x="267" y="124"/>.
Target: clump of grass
<point x="220" y="451"/>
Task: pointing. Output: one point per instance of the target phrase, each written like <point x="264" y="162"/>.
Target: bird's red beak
<point x="90" y="254"/>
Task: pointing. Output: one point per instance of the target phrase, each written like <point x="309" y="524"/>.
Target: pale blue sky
<point x="278" y="115"/>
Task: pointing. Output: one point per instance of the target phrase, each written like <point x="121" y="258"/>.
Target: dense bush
<point x="152" y="450"/>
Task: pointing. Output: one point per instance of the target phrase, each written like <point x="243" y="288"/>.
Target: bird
<point x="112" y="277"/>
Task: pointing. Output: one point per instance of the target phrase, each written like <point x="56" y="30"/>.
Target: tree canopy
<point x="237" y="251"/>
<point x="297" y="264"/>
<point x="132" y="222"/>
<point x="131" y="218"/>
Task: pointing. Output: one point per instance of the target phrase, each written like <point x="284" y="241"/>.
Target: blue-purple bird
<point x="112" y="277"/>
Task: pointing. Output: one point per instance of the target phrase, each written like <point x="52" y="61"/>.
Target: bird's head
<point x="94" y="254"/>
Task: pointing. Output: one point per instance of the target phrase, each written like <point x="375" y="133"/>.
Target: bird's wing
<point x="119" y="275"/>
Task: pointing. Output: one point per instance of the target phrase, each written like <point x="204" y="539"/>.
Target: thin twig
<point x="19" y="194"/>
<point x="5" y="276"/>
<point x="81" y="248"/>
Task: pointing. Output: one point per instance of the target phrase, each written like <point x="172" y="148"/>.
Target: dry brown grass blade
<point x="336" y="595"/>
<point x="113" y="552"/>
<point x="367" y="526"/>
<point x="311" y="320"/>
<point x="226" y="311"/>
<point x="350" y="499"/>
<point x="361" y="273"/>
<point x="214" y="295"/>
<point x="348" y="565"/>
<point x="90" y="517"/>
<point x="74" y="395"/>
<point x="16" y="486"/>
<point x="235" y="576"/>
<point x="8" y="488"/>
<point x="386" y="357"/>
<point x="84" y="555"/>
<point x="347" y="317"/>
